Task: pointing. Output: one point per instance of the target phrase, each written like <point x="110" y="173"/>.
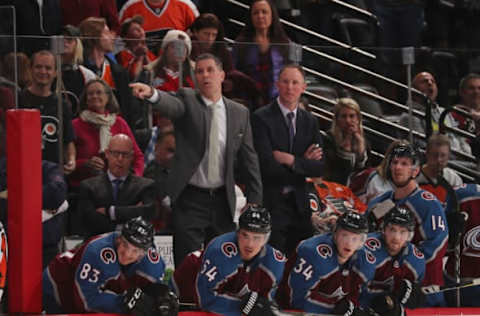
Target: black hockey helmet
<point x="405" y="150"/>
<point x="400" y="216"/>
<point x="255" y="219"/>
<point x="138" y="232"/>
<point x="353" y="222"/>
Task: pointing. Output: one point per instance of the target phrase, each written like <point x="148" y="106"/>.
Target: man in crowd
<point x="434" y="175"/>
<point x="98" y="43"/>
<point x="400" y="266"/>
<point x="39" y="96"/>
<point x="105" y="274"/>
<point x="289" y="146"/>
<point x="111" y="199"/>
<point x="239" y="273"/>
<point x="426" y="83"/>
<point x="161" y="15"/>
<point x="431" y="231"/>
<point x="328" y="272"/>
<point x="213" y="137"/>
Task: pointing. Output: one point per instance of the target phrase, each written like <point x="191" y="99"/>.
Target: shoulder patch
<point x="229" y="249"/>
<point x="153" y="256"/>
<point x="324" y="251"/>
<point x="370" y="257"/>
<point x="108" y="255"/>
<point x="427" y="196"/>
<point x="373" y="244"/>
<point x="279" y="256"/>
<point x="417" y="253"/>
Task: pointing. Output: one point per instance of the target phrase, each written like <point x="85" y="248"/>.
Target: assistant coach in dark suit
<point x="109" y="200"/>
<point x="213" y="137"/>
<point x="289" y="146"/>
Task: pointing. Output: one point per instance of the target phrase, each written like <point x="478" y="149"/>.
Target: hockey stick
<point x="432" y="289"/>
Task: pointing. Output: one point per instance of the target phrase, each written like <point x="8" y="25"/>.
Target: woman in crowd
<point x="208" y="37"/>
<point x="136" y="54"/>
<point x="24" y="69"/>
<point x="74" y="75"/>
<point x="345" y="146"/>
<point x="97" y="123"/>
<point x="262" y="47"/>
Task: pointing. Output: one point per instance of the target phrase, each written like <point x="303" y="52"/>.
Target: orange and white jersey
<point x="175" y="14"/>
<point x="3" y="259"/>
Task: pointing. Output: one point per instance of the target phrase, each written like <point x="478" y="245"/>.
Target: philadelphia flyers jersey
<point x="409" y="264"/>
<point x="224" y="278"/>
<point x="314" y="281"/>
<point x="91" y="279"/>
<point x="175" y="14"/>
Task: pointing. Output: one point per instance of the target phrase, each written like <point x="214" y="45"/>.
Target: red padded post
<point x="24" y="211"/>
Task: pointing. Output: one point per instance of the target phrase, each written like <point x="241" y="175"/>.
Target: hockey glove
<point x="254" y="304"/>
<point x="410" y="294"/>
<point x="456" y="226"/>
<point x="387" y="305"/>
<point x="133" y="300"/>
<point x="346" y="307"/>
<point x="165" y="302"/>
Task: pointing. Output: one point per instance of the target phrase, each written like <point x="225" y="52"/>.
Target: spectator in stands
<point x="136" y="54"/>
<point x="262" y="47"/>
<point x="98" y="121"/>
<point x="159" y="169"/>
<point x="164" y="73"/>
<point x="469" y="91"/>
<point x="98" y="42"/>
<point x="36" y="22"/>
<point x="74" y="75"/>
<point x="161" y="15"/>
<point x="112" y="198"/>
<point x="39" y="96"/>
<point x="74" y="12"/>
<point x="346" y="148"/>
<point x="373" y="182"/>
<point x="208" y="37"/>
<point x="434" y="175"/>
<point x="289" y="146"/>
<point x="7" y="100"/>
<point x="426" y="83"/>
<point x="24" y="71"/>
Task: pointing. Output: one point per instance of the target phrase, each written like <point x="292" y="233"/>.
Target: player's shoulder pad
<point x="467" y="191"/>
<point x="378" y="199"/>
<point x="374" y="243"/>
<point x="273" y="256"/>
<point x="319" y="247"/>
<point x="414" y="254"/>
<point x="101" y="249"/>
<point x="222" y="248"/>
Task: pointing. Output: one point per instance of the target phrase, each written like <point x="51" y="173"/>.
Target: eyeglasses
<point x="118" y="154"/>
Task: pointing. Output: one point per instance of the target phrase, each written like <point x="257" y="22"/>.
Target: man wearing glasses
<point x="108" y="200"/>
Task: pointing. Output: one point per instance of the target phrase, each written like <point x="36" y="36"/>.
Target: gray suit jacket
<point x="189" y="114"/>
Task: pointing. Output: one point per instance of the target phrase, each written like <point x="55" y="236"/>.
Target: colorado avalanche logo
<point x="229" y="249"/>
<point x="324" y="251"/>
<point x="471" y="242"/>
<point x="372" y="244"/>
<point x="278" y="255"/>
<point x="370" y="257"/>
<point x="153" y="256"/>
<point x="417" y="253"/>
<point x="49" y="130"/>
<point x="428" y="196"/>
<point x="108" y="255"/>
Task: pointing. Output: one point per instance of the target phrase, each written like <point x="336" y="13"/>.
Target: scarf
<point x="103" y="121"/>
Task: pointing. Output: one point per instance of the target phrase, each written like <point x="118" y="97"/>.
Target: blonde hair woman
<point x="345" y="145"/>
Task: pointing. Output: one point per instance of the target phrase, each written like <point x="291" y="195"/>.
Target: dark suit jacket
<point x="97" y="192"/>
<point x="270" y="133"/>
<point x="189" y="114"/>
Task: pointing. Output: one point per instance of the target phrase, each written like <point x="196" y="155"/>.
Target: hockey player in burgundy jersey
<point x="468" y="198"/>
<point x="431" y="229"/>
<point x="239" y="272"/>
<point x="327" y="272"/>
<point x="400" y="266"/>
<point x="105" y="274"/>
